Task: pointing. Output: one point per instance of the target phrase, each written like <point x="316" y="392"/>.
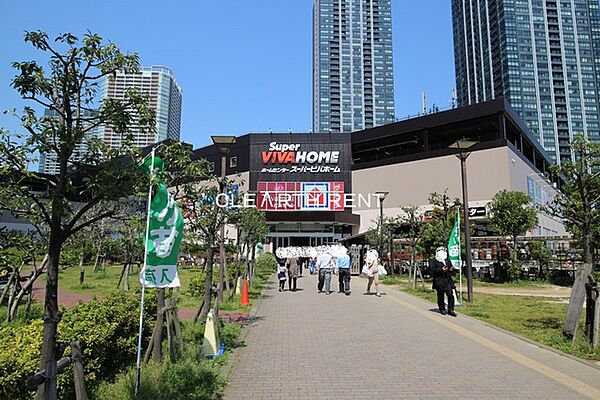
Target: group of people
<point x="327" y="264"/>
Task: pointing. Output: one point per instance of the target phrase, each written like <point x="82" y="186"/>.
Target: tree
<point x="196" y="191"/>
<point x="180" y="176"/>
<point x="439" y="224"/>
<point x="539" y="252"/>
<point x="95" y="179"/>
<point x="131" y="239"/>
<point x="412" y="224"/>
<point x="578" y="205"/>
<point x="511" y="214"/>
<point x="252" y="228"/>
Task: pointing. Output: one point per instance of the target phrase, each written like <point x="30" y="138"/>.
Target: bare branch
<point x="89" y="222"/>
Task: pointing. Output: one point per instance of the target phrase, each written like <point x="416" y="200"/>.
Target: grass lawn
<point x="536" y="318"/>
<point x="103" y="282"/>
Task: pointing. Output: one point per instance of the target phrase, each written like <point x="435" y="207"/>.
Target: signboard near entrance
<point x="300" y="196"/>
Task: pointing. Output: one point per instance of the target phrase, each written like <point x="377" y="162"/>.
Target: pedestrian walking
<point x="281" y="275"/>
<point x="343" y="267"/>
<point x="441" y="270"/>
<point x="301" y="261"/>
<point x="313" y="265"/>
<point x="293" y="272"/>
<point x="371" y="269"/>
<point x="324" y="266"/>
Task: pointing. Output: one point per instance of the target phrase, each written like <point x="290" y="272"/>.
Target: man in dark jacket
<point x="441" y="270"/>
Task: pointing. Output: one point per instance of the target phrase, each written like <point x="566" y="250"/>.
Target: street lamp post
<point x="224" y="144"/>
<point x="463" y="145"/>
<point x="381" y="196"/>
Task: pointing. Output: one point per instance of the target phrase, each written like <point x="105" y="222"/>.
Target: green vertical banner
<point x="165" y="232"/>
<point x="454" y="244"/>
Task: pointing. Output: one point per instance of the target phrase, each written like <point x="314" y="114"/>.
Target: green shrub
<point x="19" y="358"/>
<point x="266" y="262"/>
<point x="188" y="379"/>
<point x="107" y="331"/>
<point x="196" y="285"/>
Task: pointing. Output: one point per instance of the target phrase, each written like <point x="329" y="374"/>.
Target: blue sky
<point x="244" y="65"/>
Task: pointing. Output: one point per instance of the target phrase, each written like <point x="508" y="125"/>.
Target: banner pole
<point x="461" y="263"/>
<point x="139" y="349"/>
<point x="460" y="283"/>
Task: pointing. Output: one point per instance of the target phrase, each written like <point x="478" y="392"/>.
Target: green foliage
<point x="188" y="379"/>
<point x="131" y="237"/>
<point x="513" y="266"/>
<point x="266" y="262"/>
<point x="67" y="90"/>
<point x="578" y="203"/>
<point x="380" y="236"/>
<point x="196" y="286"/>
<point x="511" y="213"/>
<point x="19" y="358"/>
<point x="538" y="251"/>
<point x="252" y="224"/>
<point x="107" y="331"/>
<point x="228" y="334"/>
<point x="436" y="231"/>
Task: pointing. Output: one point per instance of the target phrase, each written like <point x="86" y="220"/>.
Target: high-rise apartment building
<point x="48" y="163"/>
<point x="159" y="84"/>
<point x="543" y="56"/>
<point x="353" y="80"/>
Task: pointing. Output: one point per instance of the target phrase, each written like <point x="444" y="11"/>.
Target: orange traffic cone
<point x="245" y="301"/>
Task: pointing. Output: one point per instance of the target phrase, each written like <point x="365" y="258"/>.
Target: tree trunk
<point x="581" y="277"/>
<point x="127" y="272"/>
<point x="11" y="293"/>
<point x="253" y="266"/>
<point x="221" y="286"/>
<point x="27" y="288"/>
<point x="238" y="251"/>
<point x="51" y="314"/>
<point x="208" y="283"/>
<point x="96" y="260"/>
<point x="157" y="349"/>
<point x="247" y="261"/>
<point x="122" y="274"/>
<point x="81" y="272"/>
<point x="8" y="287"/>
<point x="515" y="257"/>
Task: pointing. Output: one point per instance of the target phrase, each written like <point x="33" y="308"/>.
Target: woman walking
<point x="293" y="272"/>
<point x="371" y="269"/>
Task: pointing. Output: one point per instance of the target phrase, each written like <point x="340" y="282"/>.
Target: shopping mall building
<point x="321" y="188"/>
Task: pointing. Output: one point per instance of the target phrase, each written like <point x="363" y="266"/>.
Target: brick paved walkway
<point x="311" y="346"/>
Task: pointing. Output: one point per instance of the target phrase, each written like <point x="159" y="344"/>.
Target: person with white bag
<point x="372" y="270"/>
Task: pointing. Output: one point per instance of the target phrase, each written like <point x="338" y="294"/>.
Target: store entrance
<point x="302" y="241"/>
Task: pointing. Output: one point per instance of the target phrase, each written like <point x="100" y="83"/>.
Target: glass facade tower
<point x="165" y="94"/>
<point x="353" y="81"/>
<point x="543" y="56"/>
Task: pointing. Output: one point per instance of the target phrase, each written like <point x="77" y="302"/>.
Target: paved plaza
<point x="305" y="345"/>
